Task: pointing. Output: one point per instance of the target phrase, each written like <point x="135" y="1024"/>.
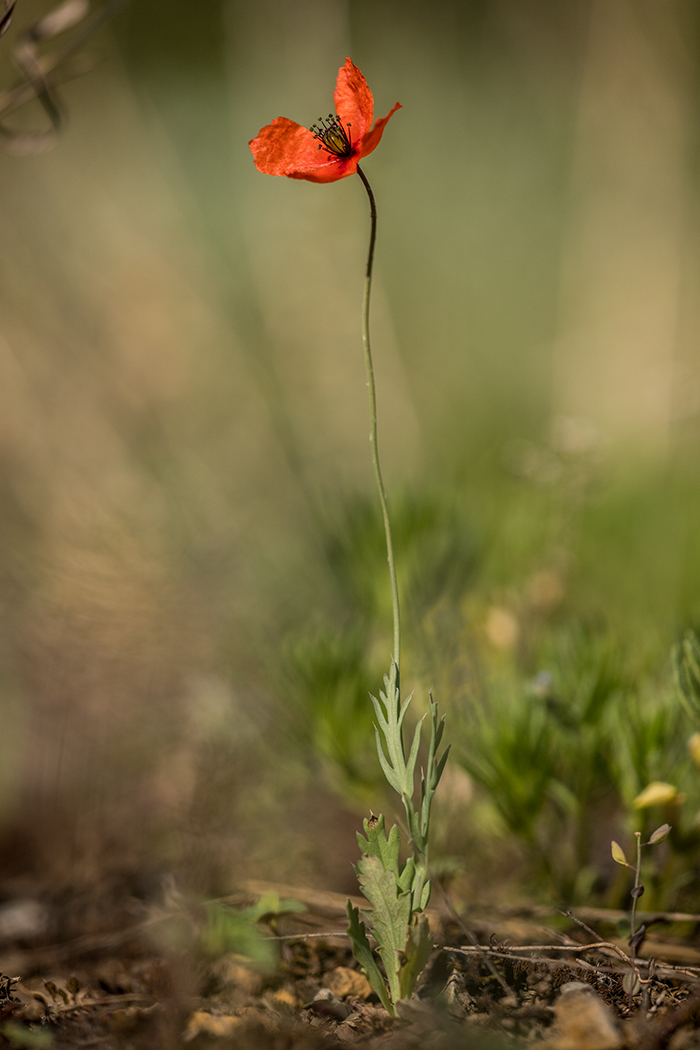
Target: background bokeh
<point x="193" y="594"/>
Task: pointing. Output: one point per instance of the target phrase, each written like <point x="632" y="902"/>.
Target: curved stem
<point x="373" y="426"/>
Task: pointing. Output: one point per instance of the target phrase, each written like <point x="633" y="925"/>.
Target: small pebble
<point x="582" y="1021"/>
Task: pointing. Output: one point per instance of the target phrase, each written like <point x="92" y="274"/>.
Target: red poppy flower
<point x="333" y="148"/>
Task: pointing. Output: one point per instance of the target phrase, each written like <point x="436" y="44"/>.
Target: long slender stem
<point x="373" y="425"/>
<point x="635" y="896"/>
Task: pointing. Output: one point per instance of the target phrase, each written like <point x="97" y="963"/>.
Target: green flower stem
<point x="398" y="894"/>
<point x="373" y="432"/>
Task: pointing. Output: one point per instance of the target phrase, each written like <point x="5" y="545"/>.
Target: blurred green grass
<point x="194" y="591"/>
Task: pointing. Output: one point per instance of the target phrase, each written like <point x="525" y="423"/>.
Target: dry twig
<point x="41" y="73"/>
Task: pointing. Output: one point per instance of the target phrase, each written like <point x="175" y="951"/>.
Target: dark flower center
<point x="333" y="136"/>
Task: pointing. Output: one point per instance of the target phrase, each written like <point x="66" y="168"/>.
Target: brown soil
<point x="123" y="976"/>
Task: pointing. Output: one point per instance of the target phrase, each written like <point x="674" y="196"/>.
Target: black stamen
<point x="333" y="136"/>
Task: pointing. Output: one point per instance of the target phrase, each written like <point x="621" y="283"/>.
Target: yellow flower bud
<point x="694" y="749"/>
<point x="656" y="794"/>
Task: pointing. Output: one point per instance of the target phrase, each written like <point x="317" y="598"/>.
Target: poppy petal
<point x="371" y="139"/>
<point x="284" y="147"/>
<point x="353" y="100"/>
<point x="332" y="171"/>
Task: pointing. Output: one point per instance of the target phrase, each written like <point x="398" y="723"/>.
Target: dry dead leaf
<point x="218" y="1025"/>
<point x="232" y="972"/>
<point x="345" y="983"/>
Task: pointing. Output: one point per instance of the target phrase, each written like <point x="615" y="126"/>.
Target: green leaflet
<point x="405" y="941"/>
<point x="415" y="955"/>
<point x="407" y="876"/>
<point x="362" y="951"/>
<point x="377" y="845"/>
<point x="390" y="916"/>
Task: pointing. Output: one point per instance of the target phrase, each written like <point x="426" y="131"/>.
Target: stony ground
<point x="497" y="978"/>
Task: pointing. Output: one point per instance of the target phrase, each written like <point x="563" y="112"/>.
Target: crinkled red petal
<point x="353" y="100"/>
<point x="371" y="139"/>
<point x="286" y="148"/>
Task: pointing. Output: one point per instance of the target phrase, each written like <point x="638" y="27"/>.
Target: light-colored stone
<point x="582" y="1021"/>
<point x="345" y="982"/>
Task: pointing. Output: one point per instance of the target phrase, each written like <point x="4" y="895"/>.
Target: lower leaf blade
<point x="362" y="951"/>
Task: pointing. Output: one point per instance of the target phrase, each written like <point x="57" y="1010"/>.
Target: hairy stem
<point x="373" y="428"/>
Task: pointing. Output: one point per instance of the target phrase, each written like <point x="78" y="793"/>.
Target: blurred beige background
<point x="182" y="395"/>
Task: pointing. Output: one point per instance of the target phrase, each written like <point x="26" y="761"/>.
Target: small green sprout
<point x="637" y="935"/>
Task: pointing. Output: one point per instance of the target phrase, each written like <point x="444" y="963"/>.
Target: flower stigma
<point x="333" y="136"/>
